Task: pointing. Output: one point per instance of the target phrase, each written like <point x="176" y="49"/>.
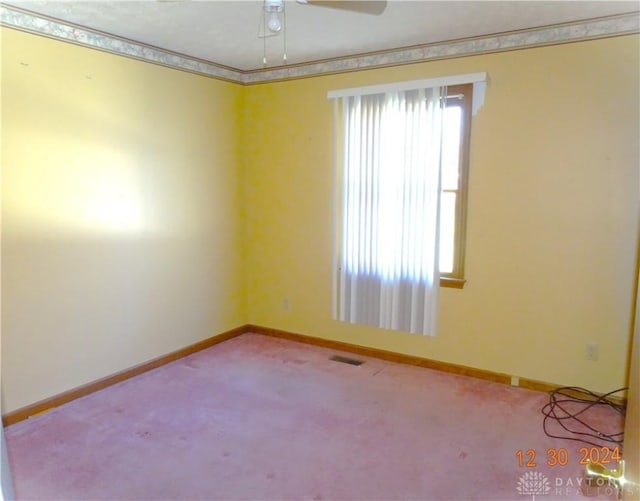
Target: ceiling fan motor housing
<point x="273" y="5"/>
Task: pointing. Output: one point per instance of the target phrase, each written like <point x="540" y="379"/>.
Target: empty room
<point x="349" y="250"/>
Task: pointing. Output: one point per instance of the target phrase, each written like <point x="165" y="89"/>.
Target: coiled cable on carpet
<point x="556" y="411"/>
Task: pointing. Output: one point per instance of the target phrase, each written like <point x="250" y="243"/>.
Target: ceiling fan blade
<point x="373" y="7"/>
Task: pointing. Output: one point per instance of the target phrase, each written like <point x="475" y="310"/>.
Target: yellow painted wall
<point x="553" y="213"/>
<point x="120" y="224"/>
<point x="146" y="208"/>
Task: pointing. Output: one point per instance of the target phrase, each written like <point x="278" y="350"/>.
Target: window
<point x="401" y="177"/>
<point x="455" y="171"/>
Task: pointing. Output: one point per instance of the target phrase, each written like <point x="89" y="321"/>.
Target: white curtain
<point x="389" y="210"/>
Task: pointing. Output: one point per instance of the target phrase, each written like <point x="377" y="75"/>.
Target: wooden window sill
<point x="453" y="283"/>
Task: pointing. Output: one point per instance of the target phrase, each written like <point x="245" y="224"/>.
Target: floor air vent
<point x="346" y="360"/>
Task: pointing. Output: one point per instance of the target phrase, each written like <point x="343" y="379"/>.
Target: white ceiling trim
<point x="534" y="37"/>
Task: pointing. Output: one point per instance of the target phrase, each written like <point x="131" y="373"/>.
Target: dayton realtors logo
<point x="533" y="483"/>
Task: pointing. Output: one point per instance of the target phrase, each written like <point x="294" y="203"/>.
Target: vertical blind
<point x="387" y="201"/>
<point x="390" y="209"/>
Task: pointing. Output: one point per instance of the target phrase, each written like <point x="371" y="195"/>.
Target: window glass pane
<point x="447" y="231"/>
<point x="451" y="147"/>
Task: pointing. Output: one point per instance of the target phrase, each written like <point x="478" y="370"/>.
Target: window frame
<point x="463" y="95"/>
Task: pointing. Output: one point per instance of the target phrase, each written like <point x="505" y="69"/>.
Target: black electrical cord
<point x="556" y="411"/>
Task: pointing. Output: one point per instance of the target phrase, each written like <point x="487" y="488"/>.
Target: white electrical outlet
<point x="515" y="381"/>
<point x="286" y="304"/>
<point x="591" y="352"/>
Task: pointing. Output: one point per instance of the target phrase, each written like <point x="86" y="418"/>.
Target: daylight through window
<point x="401" y="179"/>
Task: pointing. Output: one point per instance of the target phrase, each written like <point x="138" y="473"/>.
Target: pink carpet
<point x="263" y="418"/>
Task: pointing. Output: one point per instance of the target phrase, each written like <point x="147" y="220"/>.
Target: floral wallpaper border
<point x="548" y="35"/>
<point x="41" y="25"/>
<point x="535" y="37"/>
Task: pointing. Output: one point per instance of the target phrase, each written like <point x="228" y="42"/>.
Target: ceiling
<point x="226" y="32"/>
